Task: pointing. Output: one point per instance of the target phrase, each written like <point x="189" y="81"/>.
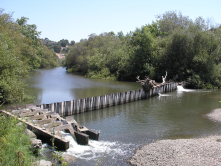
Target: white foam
<point x="95" y="149"/>
<point x="181" y="89"/>
<point x="160" y="94"/>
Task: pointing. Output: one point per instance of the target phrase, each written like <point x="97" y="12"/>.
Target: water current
<point x="124" y="128"/>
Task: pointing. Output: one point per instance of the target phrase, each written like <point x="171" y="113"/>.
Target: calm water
<point x="124" y="128"/>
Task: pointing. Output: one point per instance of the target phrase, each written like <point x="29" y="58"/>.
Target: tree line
<point x="21" y="50"/>
<point x="188" y="50"/>
<point x="62" y="46"/>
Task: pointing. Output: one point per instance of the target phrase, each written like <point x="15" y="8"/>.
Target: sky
<point x="77" y="19"/>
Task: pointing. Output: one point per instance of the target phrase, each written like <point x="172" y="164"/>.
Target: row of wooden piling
<point x="72" y="107"/>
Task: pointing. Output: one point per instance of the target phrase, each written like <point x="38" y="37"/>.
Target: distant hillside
<point x="61" y="48"/>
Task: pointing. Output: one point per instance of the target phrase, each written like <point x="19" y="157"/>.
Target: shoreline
<point x="194" y="151"/>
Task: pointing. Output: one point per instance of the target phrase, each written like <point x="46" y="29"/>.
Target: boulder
<point x="36" y="145"/>
<point x="68" y="158"/>
<point x="45" y="163"/>
<point x="30" y="133"/>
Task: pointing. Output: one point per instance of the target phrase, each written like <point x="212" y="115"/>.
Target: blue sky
<point x="75" y="19"/>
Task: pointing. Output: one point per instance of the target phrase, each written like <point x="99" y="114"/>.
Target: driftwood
<point x="148" y="84"/>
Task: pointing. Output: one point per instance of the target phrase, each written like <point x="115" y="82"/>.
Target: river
<point x="124" y="128"/>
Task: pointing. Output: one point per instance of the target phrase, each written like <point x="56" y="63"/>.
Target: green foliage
<point x="173" y="43"/>
<point x="12" y="69"/>
<point x="65" y="50"/>
<point x="103" y="74"/>
<point x="72" y="42"/>
<point x="57" y="48"/>
<point x="63" y="42"/>
<point x="15" y="145"/>
<point x="142" y="42"/>
<point x="101" y="54"/>
<point x="49" y="59"/>
<point x="20" y="51"/>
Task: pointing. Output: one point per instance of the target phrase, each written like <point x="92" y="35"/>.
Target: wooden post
<point x="109" y="100"/>
<point x="131" y="96"/>
<point x="57" y="107"/>
<point x="117" y="98"/>
<point x="91" y="103"/>
<point x="60" y="108"/>
<point x="114" y="99"/>
<point x="87" y="104"/>
<point x="97" y="102"/>
<point x="122" y="97"/>
<point x="143" y="94"/>
<point x="77" y="104"/>
<point x="68" y="108"/>
<point x="127" y="96"/>
<point x="136" y="94"/>
<point x="51" y="107"/>
<point x="82" y="105"/>
<point x="103" y="101"/>
<point x="73" y="107"/>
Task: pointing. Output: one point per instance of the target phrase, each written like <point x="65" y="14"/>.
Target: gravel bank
<point x="215" y="115"/>
<point x="183" y="152"/>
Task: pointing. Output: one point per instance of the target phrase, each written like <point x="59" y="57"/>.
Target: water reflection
<point x="56" y="85"/>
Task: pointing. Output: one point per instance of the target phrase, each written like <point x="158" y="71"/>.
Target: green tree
<point x="57" y="48"/>
<point x="142" y="42"/>
<point x="49" y="59"/>
<point x="171" y="20"/>
<point x="32" y="51"/>
<point x="63" y="42"/>
<point x="72" y="42"/>
<point x="18" y="54"/>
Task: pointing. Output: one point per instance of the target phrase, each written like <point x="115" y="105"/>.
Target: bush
<point x="15" y="145"/>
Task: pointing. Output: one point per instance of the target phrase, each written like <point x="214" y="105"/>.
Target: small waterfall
<point x="95" y="149"/>
<point x="181" y="89"/>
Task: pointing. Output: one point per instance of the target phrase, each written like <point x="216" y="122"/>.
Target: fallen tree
<point x="148" y="83"/>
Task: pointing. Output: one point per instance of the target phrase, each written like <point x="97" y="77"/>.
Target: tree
<point x="72" y="42"/>
<point x="21" y="50"/>
<point x="63" y="42"/>
<point x="57" y="48"/>
<point x="34" y="52"/>
<point x="30" y="31"/>
<point x="120" y="35"/>
<point x="112" y="33"/>
<point x="142" y="42"/>
<point x="171" y="21"/>
<point x="49" y="59"/>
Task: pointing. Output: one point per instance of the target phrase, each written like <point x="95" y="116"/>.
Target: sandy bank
<point x="183" y="152"/>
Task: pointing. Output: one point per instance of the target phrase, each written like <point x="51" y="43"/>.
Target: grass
<point x="14" y="144"/>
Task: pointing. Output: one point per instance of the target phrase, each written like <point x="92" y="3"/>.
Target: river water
<point x="124" y="128"/>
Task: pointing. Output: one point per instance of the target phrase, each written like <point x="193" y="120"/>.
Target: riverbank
<point x="198" y="151"/>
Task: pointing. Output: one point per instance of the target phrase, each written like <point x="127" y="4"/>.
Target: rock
<point x="69" y="158"/>
<point x="30" y="133"/>
<point x="41" y="163"/>
<point x="45" y="163"/>
<point x="36" y="145"/>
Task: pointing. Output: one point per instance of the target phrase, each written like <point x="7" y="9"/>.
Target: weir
<point x="47" y="125"/>
<point x="44" y="118"/>
<point x="67" y="108"/>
